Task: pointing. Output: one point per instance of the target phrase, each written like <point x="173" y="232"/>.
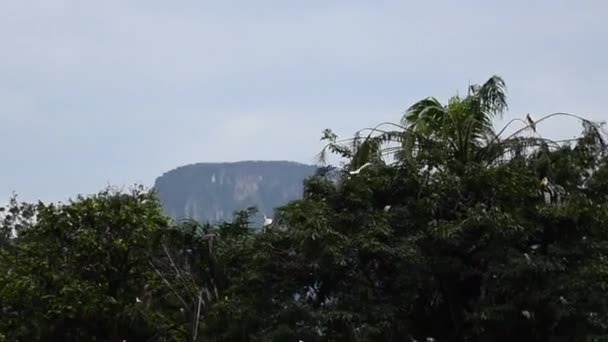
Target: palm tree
<point x="460" y="128"/>
<point x="455" y="133"/>
<point x="463" y="126"/>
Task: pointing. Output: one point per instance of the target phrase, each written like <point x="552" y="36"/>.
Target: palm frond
<point x="423" y="113"/>
<point x="493" y="96"/>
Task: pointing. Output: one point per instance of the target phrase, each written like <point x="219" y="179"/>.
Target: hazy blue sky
<point x="119" y="91"/>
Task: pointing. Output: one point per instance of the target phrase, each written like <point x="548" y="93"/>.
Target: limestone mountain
<point x="213" y="191"/>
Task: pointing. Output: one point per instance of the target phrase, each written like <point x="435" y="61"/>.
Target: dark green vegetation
<point x="469" y="235"/>
<point x="213" y="191"/>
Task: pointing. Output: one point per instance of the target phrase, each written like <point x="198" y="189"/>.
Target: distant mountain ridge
<point x="213" y="191"/>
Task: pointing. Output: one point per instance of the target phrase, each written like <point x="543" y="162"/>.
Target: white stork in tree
<point x="267" y="222"/>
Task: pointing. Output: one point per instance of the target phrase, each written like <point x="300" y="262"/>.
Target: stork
<point x="267" y="221"/>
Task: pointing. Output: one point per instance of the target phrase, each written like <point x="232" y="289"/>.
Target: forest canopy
<point x="438" y="228"/>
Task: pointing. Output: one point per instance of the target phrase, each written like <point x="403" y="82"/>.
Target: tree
<point x="432" y="134"/>
<point x="194" y="263"/>
<point x="112" y="267"/>
<point x="79" y="270"/>
<point x="14" y="218"/>
<point x="463" y="125"/>
<point x="458" y="131"/>
<point x="459" y="238"/>
<point x="442" y="244"/>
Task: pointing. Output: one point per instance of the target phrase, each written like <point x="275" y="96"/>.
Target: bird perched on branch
<point x="267" y="222"/>
<point x="531" y="122"/>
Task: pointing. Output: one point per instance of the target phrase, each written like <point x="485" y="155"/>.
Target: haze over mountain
<point x="213" y="191"/>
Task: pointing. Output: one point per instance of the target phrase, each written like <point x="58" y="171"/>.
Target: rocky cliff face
<point x="213" y="191"/>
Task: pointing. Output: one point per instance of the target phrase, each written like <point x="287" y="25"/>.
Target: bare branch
<point x="169" y="285"/>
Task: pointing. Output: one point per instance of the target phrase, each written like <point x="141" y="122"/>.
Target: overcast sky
<point x="119" y="91"/>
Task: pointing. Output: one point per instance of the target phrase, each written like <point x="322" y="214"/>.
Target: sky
<point x="117" y="92"/>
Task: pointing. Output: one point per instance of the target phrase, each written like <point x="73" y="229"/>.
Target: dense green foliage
<point x="465" y="236"/>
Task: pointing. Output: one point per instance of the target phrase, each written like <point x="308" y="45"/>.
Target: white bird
<point x="535" y="247"/>
<point x="267" y="221"/>
<point x="526" y="314"/>
<point x="531" y="122"/>
<point x="137" y="300"/>
<point x="553" y="192"/>
<point x="544" y="182"/>
<point x="357" y="171"/>
<point x="547" y="193"/>
<point x="387" y="208"/>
